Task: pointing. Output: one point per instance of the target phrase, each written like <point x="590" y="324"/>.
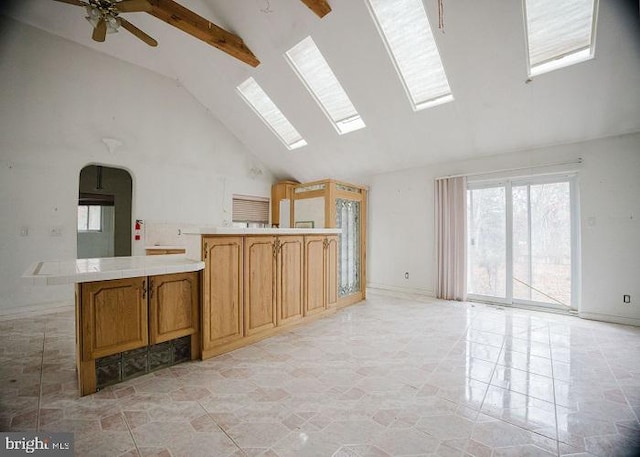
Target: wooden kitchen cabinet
<point x="255" y="285"/>
<point x="116" y="316"/>
<point x="273" y="282"/>
<point x="173" y="306"/>
<point x="260" y="284"/>
<point x="164" y="251"/>
<point x="314" y="291"/>
<point x="320" y="270"/>
<point x="222" y="303"/>
<point x="113" y="316"/>
<point x="331" y="270"/>
<point x="290" y="271"/>
<point x="336" y="204"/>
<point x="282" y="190"/>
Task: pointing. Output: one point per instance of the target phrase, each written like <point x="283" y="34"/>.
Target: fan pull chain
<point x="441" y="15"/>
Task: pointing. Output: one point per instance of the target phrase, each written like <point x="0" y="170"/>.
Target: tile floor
<point x="390" y="377"/>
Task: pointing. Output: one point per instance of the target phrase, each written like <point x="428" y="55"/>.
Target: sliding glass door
<point x="521" y="242"/>
<point x="487" y="242"/>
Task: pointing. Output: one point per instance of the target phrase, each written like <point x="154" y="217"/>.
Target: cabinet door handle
<point x="206" y="249"/>
<point x="277" y="246"/>
<point x="151" y="288"/>
<point x="144" y="288"/>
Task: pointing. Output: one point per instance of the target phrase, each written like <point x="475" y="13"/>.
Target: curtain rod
<point x="504" y="170"/>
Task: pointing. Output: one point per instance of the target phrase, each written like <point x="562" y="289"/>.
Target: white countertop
<point x="50" y="273"/>
<point x="260" y="231"/>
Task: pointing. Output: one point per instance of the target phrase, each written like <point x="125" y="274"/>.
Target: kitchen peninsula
<point x="133" y="314"/>
<point x="234" y="286"/>
<point x="258" y="281"/>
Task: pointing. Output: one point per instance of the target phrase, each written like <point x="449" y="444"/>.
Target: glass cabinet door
<point x="349" y="268"/>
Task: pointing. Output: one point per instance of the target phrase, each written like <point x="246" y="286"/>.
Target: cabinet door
<point x="260" y="283"/>
<point x="173" y="306"/>
<point x="114" y="317"/>
<point x="290" y="272"/>
<point x="222" y="291"/>
<point x="331" y="270"/>
<point x="314" y="297"/>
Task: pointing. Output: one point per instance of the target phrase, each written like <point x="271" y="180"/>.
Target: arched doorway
<point x="104" y="212"/>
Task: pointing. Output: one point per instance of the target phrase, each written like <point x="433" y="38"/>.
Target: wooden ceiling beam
<point x="189" y="22"/>
<point x="320" y="7"/>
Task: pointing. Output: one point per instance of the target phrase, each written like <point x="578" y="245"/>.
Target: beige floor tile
<point x="391" y="377"/>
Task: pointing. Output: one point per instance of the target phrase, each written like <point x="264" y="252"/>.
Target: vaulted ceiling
<point x="483" y="51"/>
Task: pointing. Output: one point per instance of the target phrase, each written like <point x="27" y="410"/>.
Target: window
<point x="314" y="71"/>
<point x="559" y="33"/>
<point x="89" y="218"/>
<point x="249" y="211"/>
<point x="405" y="29"/>
<point x="521" y="241"/>
<point x="264" y="107"/>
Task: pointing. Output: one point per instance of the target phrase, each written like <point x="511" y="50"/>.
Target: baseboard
<point x="41" y="309"/>
<point x="382" y="288"/>
<point x="610" y="318"/>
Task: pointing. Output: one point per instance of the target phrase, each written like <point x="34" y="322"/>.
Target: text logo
<point x="40" y="444"/>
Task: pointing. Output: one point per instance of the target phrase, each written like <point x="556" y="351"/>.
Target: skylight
<point x="559" y="33"/>
<point x="405" y="29"/>
<point x="315" y="73"/>
<point x="264" y="107"/>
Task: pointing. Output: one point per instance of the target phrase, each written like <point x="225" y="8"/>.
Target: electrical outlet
<point x="24" y="231"/>
<point x="55" y="231"/>
<point x="626" y="299"/>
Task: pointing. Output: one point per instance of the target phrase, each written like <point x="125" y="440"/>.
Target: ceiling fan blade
<point x="133" y="6"/>
<point x="73" y="2"/>
<point x="128" y="26"/>
<point x="100" y="30"/>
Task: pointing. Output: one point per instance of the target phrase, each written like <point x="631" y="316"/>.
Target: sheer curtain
<point x="451" y="207"/>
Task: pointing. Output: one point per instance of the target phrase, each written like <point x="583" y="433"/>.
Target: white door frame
<point x="508" y="184"/>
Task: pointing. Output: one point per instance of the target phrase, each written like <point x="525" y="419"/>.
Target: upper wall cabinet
<point x="335" y="204"/>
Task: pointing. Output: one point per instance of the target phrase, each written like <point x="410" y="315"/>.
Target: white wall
<point x="59" y="100"/>
<point x="310" y="210"/>
<point x="401" y="231"/>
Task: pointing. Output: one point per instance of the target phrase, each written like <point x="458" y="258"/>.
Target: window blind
<point x="558" y="28"/>
<point x="316" y="74"/>
<point x="258" y="99"/>
<point x="405" y="28"/>
<point x="250" y="209"/>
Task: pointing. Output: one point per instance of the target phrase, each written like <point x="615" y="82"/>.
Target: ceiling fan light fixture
<point x="92" y="21"/>
<point x="94" y="15"/>
<point x="112" y="24"/>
